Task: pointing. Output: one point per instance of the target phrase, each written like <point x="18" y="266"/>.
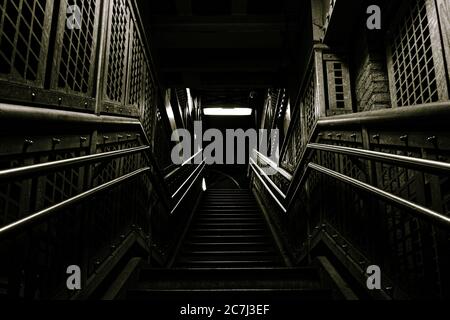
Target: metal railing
<point x="366" y="193"/>
<point x="411" y="162"/>
<point x="118" y="192"/>
<point x="45" y="168"/>
<point x="40" y="216"/>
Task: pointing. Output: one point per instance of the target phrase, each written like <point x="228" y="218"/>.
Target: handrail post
<point x="102" y="38"/>
<point x="320" y="97"/>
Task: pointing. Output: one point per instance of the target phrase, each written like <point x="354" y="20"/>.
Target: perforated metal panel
<point x="294" y="145"/>
<point x="61" y="185"/>
<point x="405" y="232"/>
<point x="307" y="103"/>
<point x="24" y="34"/>
<point x="11" y="196"/>
<point x="117" y="51"/>
<point x="417" y="72"/>
<point x="75" y="51"/>
<point x="149" y="107"/>
<point x="161" y="146"/>
<point x="110" y="170"/>
<point x="271" y="107"/>
<point x="136" y="71"/>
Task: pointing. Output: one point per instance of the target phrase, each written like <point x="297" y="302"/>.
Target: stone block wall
<point x="371" y="81"/>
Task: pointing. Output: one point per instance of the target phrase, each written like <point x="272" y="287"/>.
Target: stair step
<point x="207" y="282"/>
<point x="228" y="230"/>
<point x="229" y="215"/>
<point x="229" y="203"/>
<point x="231" y="206"/>
<point x="297" y="274"/>
<point x="227" y="237"/>
<point x="226" y="262"/>
<point x="229" y="224"/>
<point x="231" y="252"/>
<point x="230" y="197"/>
<point x="237" y="218"/>
<point x="244" y="296"/>
<point x="231" y="258"/>
<point x="219" y="245"/>
<point x="232" y="231"/>
<point x="229" y="210"/>
<point x="228" y="190"/>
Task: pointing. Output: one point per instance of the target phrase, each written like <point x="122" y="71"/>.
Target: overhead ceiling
<point x="219" y="44"/>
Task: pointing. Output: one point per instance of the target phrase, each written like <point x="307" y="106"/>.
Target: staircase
<point x="228" y="255"/>
<point x="229" y="230"/>
<point x="232" y="285"/>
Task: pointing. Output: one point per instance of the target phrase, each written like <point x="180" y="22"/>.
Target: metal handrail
<point x="387" y="196"/>
<point x="268" y="179"/>
<point x="411" y="206"/>
<point x="406" y="161"/>
<point x="41" y="215"/>
<point x="187" y="180"/>
<point x="267" y="188"/>
<point x="182" y="165"/>
<point x="436" y="109"/>
<point x="42" y="168"/>
<point x="268" y="161"/>
<point x="9" y="113"/>
<point x="411" y="162"/>
<point x="201" y="166"/>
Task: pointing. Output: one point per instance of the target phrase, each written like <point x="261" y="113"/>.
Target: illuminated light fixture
<point x="204" y="185"/>
<point x="227" y="111"/>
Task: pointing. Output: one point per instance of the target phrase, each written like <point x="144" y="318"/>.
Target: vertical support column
<point x="104" y="21"/>
<point x="439" y="52"/>
<point x="320" y="98"/>
<point x="443" y="10"/>
<point x="318" y="20"/>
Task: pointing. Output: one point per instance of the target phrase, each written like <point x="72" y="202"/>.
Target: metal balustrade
<point x="84" y="198"/>
<point x="385" y="202"/>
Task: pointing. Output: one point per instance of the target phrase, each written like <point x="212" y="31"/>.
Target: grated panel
<point x="117" y="51"/>
<point x="24" y="32"/>
<point x="416" y="67"/>
<point x="76" y="49"/>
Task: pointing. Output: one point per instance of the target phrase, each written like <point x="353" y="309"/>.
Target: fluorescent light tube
<point x="227" y="111"/>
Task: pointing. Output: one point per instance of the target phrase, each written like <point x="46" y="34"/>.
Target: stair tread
<point x="228" y="224"/>
<point x="230" y="236"/>
<point x="225" y="262"/>
<point x="224" y="219"/>
<point x="225" y="243"/>
<point x="228" y="230"/>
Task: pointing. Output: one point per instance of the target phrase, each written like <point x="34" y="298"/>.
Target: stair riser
<point x="236" y="219"/>
<point x="226" y="246"/>
<point x="198" y="297"/>
<point x="225" y="220"/>
<point x="236" y="231"/>
<point x="208" y="239"/>
<point x="228" y="224"/>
